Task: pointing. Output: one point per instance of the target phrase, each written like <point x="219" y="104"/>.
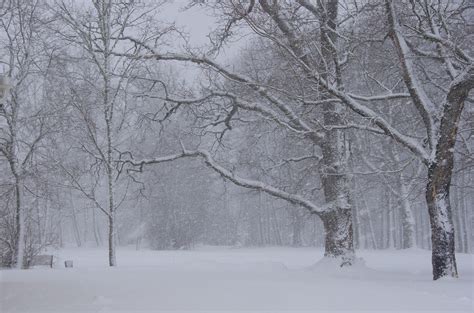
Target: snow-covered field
<point x="231" y="280"/>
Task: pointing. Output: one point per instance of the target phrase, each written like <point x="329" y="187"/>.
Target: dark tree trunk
<point x="334" y="170"/>
<point x="338" y="235"/>
<point x="439" y="178"/>
<point x="442" y="228"/>
<point x="338" y="220"/>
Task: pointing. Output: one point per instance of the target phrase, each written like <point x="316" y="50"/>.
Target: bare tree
<point x="278" y="23"/>
<point x="25" y="122"/>
<point x="97" y="31"/>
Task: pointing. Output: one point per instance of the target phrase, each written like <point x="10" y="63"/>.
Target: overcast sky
<point x="198" y="23"/>
<point x="195" y="21"/>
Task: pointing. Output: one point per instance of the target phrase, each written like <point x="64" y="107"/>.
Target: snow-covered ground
<point x="232" y="280"/>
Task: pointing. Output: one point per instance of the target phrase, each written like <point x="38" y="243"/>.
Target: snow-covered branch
<point x="238" y="102"/>
<point x="422" y="102"/>
<point x="237" y="180"/>
<point x="298" y="54"/>
<point x="204" y="61"/>
<point x="389" y="96"/>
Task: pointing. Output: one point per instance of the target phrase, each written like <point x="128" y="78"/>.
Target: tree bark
<point x="338" y="235"/>
<point x="439" y="178"/>
<point x="337" y="221"/>
<point x="442" y="228"/>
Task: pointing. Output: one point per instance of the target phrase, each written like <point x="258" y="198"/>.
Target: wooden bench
<point x="42" y="259"/>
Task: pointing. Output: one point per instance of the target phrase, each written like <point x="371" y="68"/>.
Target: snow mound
<point x="331" y="267"/>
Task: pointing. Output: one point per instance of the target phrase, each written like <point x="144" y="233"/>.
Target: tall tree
<point x="97" y="30"/>
<point x="435" y="27"/>
<point x="25" y="120"/>
<point x="251" y="95"/>
<point x="291" y="27"/>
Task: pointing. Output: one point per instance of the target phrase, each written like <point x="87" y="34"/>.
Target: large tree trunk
<point x="442" y="228"/>
<point x="337" y="221"/>
<point x="334" y="170"/>
<point x="338" y="235"/>
<point x="439" y="178"/>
